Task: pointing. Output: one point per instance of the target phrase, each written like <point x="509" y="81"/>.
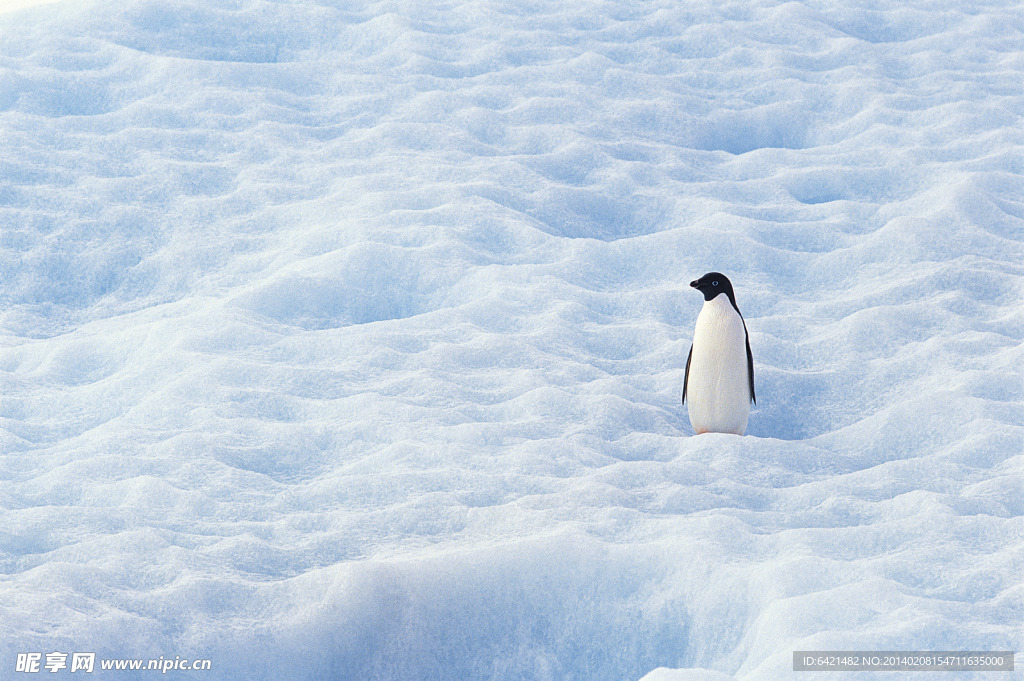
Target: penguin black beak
<point x="693" y="283"/>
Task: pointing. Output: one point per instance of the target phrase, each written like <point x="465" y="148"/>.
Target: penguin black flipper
<point x="686" y="378"/>
<point x="750" y="364"/>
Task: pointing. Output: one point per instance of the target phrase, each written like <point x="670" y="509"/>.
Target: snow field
<point x="345" y="340"/>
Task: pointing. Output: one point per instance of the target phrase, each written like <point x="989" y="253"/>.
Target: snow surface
<point x="14" y="5"/>
<point x="345" y="340"/>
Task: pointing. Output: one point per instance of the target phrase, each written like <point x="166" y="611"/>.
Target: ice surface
<point x="346" y="340"/>
<point x="664" y="674"/>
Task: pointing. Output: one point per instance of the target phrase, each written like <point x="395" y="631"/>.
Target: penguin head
<point x="714" y="283"/>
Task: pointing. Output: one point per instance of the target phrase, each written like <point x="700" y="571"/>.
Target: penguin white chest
<point x="718" y="384"/>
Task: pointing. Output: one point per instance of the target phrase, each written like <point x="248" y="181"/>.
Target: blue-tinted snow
<point x="345" y="340"/>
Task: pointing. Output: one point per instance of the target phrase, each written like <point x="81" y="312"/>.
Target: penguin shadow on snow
<point x="721" y="382"/>
<point x="784" y="411"/>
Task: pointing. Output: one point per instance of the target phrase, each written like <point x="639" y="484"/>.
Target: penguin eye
<point x="714" y="283"/>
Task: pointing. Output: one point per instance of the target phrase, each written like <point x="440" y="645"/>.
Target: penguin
<point x="720" y="368"/>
